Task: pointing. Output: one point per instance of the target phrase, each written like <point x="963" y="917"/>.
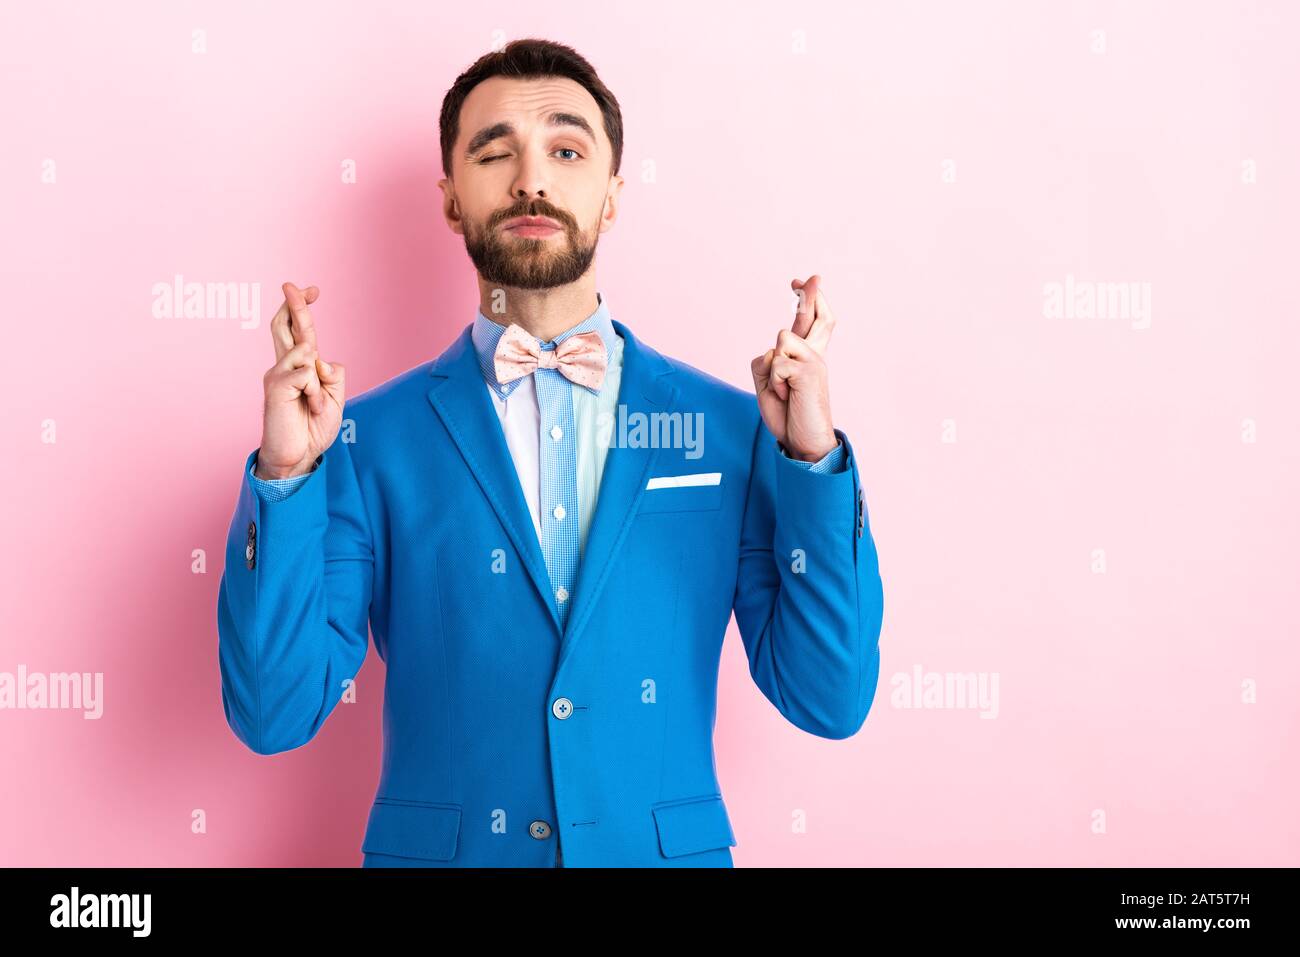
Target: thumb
<point x="331" y="377"/>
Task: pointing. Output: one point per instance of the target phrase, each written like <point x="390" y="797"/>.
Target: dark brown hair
<point x="530" y="58"/>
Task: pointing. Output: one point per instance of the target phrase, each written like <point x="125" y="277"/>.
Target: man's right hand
<point x="304" y="393"/>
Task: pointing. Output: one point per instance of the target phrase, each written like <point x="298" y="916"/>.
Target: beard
<point x="529" y="263"/>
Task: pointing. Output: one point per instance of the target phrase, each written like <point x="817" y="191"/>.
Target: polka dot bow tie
<point x="580" y="358"/>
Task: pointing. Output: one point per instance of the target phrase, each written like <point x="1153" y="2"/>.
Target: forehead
<point x="526" y="103"/>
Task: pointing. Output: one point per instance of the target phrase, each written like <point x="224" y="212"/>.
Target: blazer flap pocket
<point x="681" y="498"/>
<point x="692" y="825"/>
<point x="412" y="829"/>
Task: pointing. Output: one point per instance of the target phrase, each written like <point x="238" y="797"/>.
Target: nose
<point x="530" y="179"/>
<point x="524" y="192"/>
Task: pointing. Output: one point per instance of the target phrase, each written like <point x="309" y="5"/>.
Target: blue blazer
<point x="505" y="739"/>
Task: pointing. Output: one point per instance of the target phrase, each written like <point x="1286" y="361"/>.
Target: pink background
<point x="1118" y="692"/>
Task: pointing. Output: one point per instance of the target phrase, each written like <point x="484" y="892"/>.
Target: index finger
<point x="304" y="330"/>
<point x="281" y="333"/>
<point x="805" y="313"/>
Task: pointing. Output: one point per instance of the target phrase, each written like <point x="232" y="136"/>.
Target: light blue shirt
<point x="534" y="438"/>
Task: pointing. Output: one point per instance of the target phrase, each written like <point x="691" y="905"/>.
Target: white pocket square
<point x="679" y="481"/>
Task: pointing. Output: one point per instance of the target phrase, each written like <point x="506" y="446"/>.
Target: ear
<point x="450" y="208"/>
<point x="610" y="212"/>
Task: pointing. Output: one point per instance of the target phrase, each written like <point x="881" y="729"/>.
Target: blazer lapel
<point x="460" y="397"/>
<point x="646" y="388"/>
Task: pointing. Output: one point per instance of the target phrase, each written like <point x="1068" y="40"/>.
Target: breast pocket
<point x="681" y="498"/>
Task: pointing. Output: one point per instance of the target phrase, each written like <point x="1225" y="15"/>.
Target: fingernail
<point x="329" y="369"/>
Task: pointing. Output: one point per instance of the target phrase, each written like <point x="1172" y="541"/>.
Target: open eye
<point x="569" y="149"/>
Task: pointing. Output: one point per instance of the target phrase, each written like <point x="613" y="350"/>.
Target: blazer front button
<point x="540" y="830"/>
<point x="562" y="708"/>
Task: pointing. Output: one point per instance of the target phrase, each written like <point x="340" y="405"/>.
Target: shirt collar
<point x="486" y="334"/>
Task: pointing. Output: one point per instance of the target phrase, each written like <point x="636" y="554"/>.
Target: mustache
<point x="534" y="207"/>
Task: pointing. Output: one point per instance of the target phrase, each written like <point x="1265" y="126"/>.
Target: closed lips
<point x="531" y="221"/>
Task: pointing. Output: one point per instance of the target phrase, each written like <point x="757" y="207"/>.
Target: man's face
<point x="530" y="148"/>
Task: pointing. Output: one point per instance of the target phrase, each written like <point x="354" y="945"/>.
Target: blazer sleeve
<point x="809" y="599"/>
<point x="293" y="608"/>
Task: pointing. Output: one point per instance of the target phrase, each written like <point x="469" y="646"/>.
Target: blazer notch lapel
<point x="646" y="388"/>
<point x="460" y="398"/>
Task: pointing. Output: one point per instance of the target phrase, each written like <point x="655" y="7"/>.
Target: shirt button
<point x="561" y="594"/>
<point x="562" y="708"/>
<point x="559" y="512"/>
<point x="540" y="830"/>
<point x="557" y="433"/>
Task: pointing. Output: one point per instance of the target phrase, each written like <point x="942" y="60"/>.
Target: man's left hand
<point x="791" y="381"/>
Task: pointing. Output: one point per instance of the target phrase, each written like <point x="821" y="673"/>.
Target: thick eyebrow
<point x="497" y="130"/>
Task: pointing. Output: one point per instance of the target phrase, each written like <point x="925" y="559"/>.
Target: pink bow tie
<point x="580" y="358"/>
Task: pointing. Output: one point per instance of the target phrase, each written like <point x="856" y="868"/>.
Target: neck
<point x="544" y="313"/>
